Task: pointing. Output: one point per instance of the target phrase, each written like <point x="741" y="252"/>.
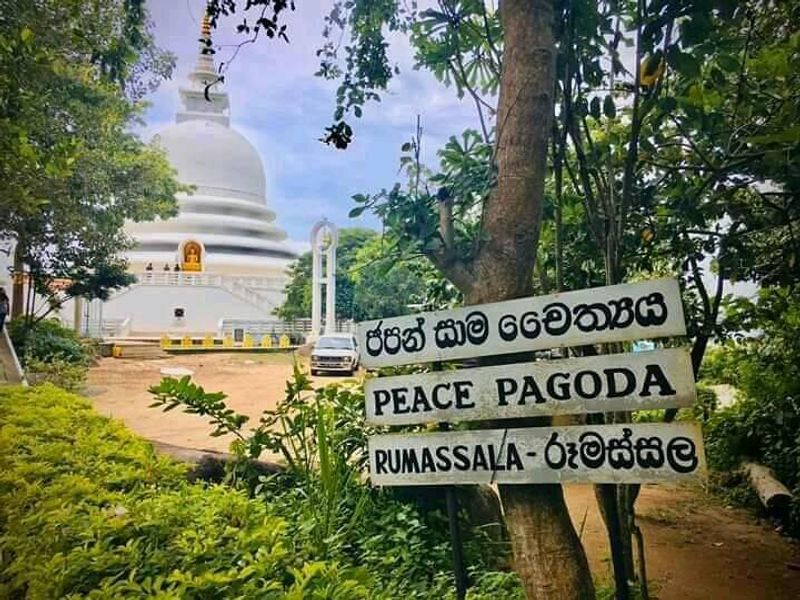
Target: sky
<point x="282" y="108"/>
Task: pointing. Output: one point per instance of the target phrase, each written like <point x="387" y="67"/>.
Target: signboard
<point x="637" y="453"/>
<point x="606" y="314"/>
<point x="611" y="382"/>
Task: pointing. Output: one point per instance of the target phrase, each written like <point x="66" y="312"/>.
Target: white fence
<point x="300" y="327"/>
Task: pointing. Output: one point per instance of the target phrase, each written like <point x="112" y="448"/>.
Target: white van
<point x="335" y="353"/>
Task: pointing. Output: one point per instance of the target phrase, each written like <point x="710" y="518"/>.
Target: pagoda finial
<point x="205" y="60"/>
<point x="205" y="26"/>
<point x="204" y="98"/>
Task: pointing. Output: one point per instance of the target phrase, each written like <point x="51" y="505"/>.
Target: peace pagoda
<point x="222" y="260"/>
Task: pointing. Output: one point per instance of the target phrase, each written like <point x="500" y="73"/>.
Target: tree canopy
<point x="368" y="284"/>
<point x="71" y="78"/>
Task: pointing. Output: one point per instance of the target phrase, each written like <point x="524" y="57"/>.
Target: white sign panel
<point x="607" y="314"/>
<point x="638" y="453"/>
<point x="612" y="382"/>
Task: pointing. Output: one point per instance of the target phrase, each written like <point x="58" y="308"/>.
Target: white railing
<point x="247" y="294"/>
<point x="178" y="278"/>
<point x="116" y="327"/>
<point x="189" y="278"/>
<point x="274" y="326"/>
<point x="252" y="290"/>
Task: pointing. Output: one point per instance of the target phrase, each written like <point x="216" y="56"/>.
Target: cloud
<point x="278" y="104"/>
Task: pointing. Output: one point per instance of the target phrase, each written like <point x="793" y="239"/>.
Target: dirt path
<point x="697" y="548"/>
<point x="253" y="382"/>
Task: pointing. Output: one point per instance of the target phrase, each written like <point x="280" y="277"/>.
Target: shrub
<point x="87" y="509"/>
<point x="720" y="365"/>
<point x="59" y="372"/>
<point x="46" y="341"/>
<point x="763" y="425"/>
<point x="328" y="508"/>
<point x="51" y="353"/>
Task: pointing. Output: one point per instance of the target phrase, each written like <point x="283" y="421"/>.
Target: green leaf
<point x="26" y="35"/>
<point x="356" y="212"/>
<point x="695" y="30"/>
<point x="668" y="104"/>
<point x="728" y="63"/>
<point x="594" y="107"/>
<point x="687" y="65"/>
<point x="788" y="135"/>
<point x="609" y="109"/>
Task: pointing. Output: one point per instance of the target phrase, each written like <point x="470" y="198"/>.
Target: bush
<point x="328" y="508"/>
<point x="51" y="353"/>
<point x="720" y="365"/>
<point x="46" y="341"/>
<point x="59" y="372"/>
<point x="87" y="509"/>
<point x="763" y="425"/>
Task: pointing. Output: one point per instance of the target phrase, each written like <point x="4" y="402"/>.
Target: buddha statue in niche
<point x="191" y="257"/>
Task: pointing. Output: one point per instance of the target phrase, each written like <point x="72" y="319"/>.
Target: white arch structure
<point x="324" y="238"/>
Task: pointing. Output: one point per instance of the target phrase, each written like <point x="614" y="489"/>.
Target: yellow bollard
<point x="284" y="341"/>
<point x="186" y="342"/>
<point x="248" y="340"/>
<point x="266" y="341"/>
<point x="227" y="341"/>
<point x="208" y="341"/>
<point x="165" y="342"/>
<point x="116" y="351"/>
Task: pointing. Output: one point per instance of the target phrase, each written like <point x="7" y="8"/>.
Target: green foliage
<point x="720" y="365"/>
<point x="763" y="425"/>
<point x="371" y="283"/>
<point x="57" y="371"/>
<point x="48" y="341"/>
<point x="51" y="353"/>
<point x="71" y="75"/>
<point x="171" y="393"/>
<point x="86" y="508"/>
<point x="384" y="286"/>
<point x="326" y="506"/>
<point x="706" y="403"/>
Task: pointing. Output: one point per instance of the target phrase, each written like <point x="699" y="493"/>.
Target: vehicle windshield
<point x="335" y="342"/>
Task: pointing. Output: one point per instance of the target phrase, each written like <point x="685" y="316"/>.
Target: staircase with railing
<point x="253" y="290"/>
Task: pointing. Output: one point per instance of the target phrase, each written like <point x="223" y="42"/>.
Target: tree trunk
<point x="17" y="286"/>
<point x="548" y="555"/>
<point x="547" y="552"/>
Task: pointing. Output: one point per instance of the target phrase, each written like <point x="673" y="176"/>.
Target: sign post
<point x="600" y="454"/>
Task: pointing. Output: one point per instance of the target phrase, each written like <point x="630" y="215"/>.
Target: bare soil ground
<point x="697" y="548"/>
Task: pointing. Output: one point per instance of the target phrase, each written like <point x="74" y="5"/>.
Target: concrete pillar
<point x="77" y="314"/>
<point x="323" y="239"/>
<point x="316" y="286"/>
<point x="330" y="287"/>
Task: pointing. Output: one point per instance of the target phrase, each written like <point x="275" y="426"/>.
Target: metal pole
<point x="455" y="539"/>
<point x="459" y="571"/>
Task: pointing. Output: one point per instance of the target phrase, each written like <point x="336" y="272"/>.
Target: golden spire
<point x="205" y="27"/>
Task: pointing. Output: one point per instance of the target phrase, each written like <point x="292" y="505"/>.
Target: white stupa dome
<point x="224" y="225"/>
<point x="214" y="158"/>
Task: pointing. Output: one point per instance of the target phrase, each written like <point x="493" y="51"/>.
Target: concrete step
<point x="137" y="350"/>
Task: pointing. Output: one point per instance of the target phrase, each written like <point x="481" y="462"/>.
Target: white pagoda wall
<point x="151" y="307"/>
